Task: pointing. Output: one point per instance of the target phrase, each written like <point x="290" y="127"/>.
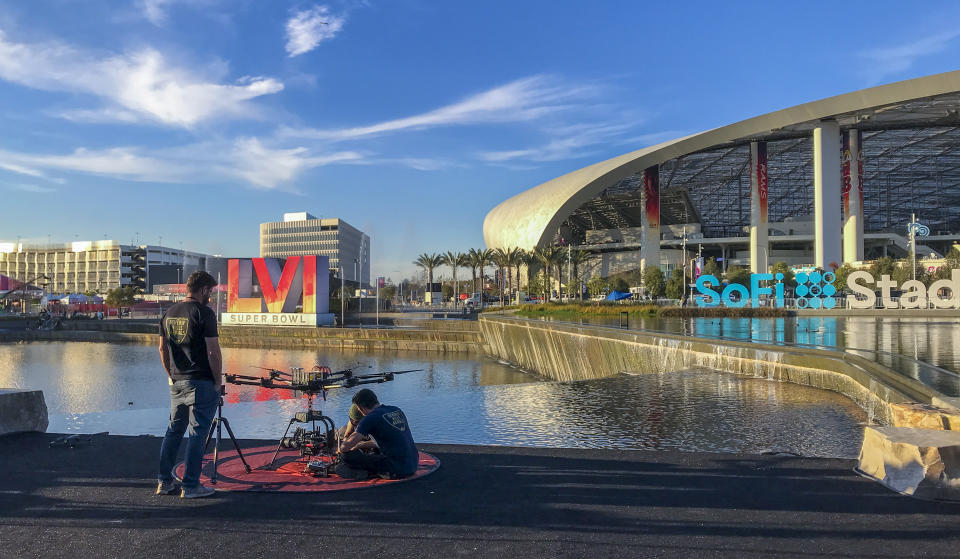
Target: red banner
<point x="845" y="172"/>
<point x="860" y="167"/>
<point x="651" y="192"/>
<point x="762" y="184"/>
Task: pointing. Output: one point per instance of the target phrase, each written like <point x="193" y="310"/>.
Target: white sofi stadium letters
<point x="858" y="289"/>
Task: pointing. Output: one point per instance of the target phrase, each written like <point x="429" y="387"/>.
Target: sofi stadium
<point x="823" y="183"/>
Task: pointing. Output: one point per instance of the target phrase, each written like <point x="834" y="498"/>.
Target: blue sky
<point x="196" y="120"/>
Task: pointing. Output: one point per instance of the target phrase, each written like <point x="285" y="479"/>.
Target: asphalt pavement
<point x="97" y="501"/>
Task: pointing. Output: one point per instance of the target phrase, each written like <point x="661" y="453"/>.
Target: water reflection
<point x="80" y="377"/>
<point x="689" y="410"/>
<point x="122" y="389"/>
<point x="933" y="341"/>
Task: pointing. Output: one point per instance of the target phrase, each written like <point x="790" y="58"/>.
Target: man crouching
<point x="396" y="456"/>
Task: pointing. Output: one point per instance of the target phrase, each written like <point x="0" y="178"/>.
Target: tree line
<point x="540" y="265"/>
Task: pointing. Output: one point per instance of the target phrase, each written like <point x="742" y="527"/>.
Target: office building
<point x="301" y="233"/>
<point x="100" y="266"/>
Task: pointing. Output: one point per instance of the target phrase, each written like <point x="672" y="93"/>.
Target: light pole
<point x="356" y="274"/>
<point x="360" y="282"/>
<point x="913" y="243"/>
<point x="685" y="253"/>
<point x="399" y="285"/>
<point x="343" y="299"/>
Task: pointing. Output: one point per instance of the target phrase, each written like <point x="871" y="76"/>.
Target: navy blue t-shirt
<point x="389" y="427"/>
<point x="186" y="326"/>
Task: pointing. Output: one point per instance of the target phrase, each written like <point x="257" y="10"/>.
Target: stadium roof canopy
<point x="911" y="154"/>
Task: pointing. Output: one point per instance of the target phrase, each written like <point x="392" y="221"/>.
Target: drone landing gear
<point x="313" y="443"/>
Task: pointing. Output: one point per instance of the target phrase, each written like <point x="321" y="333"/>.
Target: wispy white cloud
<point x="138" y="86"/>
<point x="306" y="29"/>
<point x="884" y="61"/>
<point x="421" y="163"/>
<point x="126" y="163"/>
<point x="522" y="100"/>
<point x="246" y="159"/>
<point x="20" y="169"/>
<point x="265" y="167"/>
<point x="36" y="189"/>
<point x="570" y="142"/>
<point x="155" y="10"/>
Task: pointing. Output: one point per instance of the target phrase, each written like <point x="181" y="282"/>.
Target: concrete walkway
<point x="98" y="501"/>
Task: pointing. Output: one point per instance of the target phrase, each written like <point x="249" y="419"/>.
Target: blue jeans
<point x="193" y="403"/>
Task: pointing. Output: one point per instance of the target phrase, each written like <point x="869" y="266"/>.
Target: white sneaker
<point x="198" y="492"/>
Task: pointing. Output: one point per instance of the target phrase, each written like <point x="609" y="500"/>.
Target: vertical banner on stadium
<point x="762" y="183"/>
<point x="650" y="251"/>
<point x="860" y="170"/>
<point x="759" y="194"/>
<point x="651" y="194"/>
<point x="851" y="170"/>
<point x="845" y="157"/>
<point x="698" y="267"/>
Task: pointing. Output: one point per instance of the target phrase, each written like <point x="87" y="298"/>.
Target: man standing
<point x="397" y="456"/>
<point x="190" y="353"/>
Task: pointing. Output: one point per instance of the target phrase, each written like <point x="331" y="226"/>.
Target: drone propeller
<point x="402" y="372"/>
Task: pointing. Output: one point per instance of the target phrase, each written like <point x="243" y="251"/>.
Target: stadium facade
<point x="820" y="184"/>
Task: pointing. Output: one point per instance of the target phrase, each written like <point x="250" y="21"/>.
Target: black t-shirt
<point x="388" y="426"/>
<point x="185" y="326"/>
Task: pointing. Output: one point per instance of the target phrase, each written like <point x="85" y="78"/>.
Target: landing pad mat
<point x="287" y="473"/>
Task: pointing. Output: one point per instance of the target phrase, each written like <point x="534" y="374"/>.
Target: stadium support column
<point x="759" y="245"/>
<point x="650" y="251"/>
<point x="826" y="195"/>
<point x="852" y="173"/>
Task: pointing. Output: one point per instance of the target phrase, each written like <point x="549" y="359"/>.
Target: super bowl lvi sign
<point x="302" y="277"/>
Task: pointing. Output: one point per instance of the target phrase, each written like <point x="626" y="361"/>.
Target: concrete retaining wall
<point x="430" y="340"/>
<point x="438" y="340"/>
<point x="572" y="352"/>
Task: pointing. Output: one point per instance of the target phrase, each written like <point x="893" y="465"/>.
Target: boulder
<point x="22" y="410"/>
<point x="924" y="463"/>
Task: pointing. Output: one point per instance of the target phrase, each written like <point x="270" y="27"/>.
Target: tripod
<point x="219" y="422"/>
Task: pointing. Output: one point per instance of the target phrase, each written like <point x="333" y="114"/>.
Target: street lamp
<point x="356" y="274"/>
<point x="343" y="298"/>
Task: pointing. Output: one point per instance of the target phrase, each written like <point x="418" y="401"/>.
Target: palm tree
<point x="578" y="258"/>
<point x="548" y="256"/>
<point x="500" y="259"/>
<point x="529" y="258"/>
<point x="476" y="259"/>
<point x="428" y="262"/>
<point x="454" y="260"/>
<point x="485" y="259"/>
<point x="514" y="260"/>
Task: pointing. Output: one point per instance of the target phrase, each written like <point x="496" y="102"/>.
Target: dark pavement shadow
<point x="525" y="499"/>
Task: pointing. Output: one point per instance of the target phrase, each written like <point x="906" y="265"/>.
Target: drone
<point x="316" y="381"/>
<point x="319" y="445"/>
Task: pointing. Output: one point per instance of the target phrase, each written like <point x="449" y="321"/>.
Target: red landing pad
<point x="286" y="474"/>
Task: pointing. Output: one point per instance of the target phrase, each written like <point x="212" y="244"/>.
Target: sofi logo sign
<point x="914" y="294"/>
<point x="303" y="280"/>
<point x="816" y="290"/>
<point x="759" y="286"/>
